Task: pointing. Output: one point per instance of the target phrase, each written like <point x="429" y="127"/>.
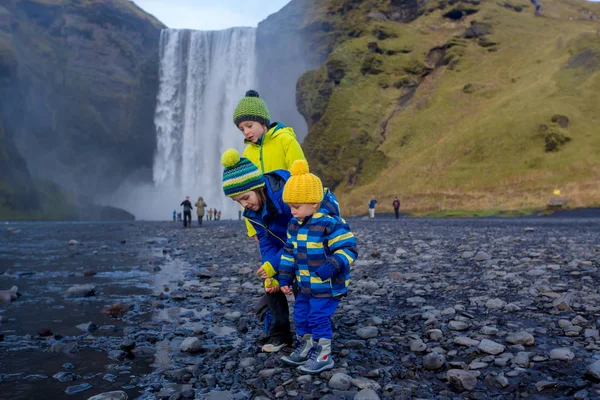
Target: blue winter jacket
<point x="272" y="220"/>
<point x="319" y="251"/>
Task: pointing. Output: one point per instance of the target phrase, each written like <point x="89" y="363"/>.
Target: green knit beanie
<point x="251" y="108"/>
<point x="240" y="175"/>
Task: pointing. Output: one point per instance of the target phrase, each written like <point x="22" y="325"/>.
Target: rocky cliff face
<point x="85" y="77"/>
<point x="287" y="45"/>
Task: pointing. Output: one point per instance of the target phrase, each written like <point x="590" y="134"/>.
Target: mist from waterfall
<point x="203" y="74"/>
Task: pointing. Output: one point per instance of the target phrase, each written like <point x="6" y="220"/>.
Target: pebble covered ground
<point x="437" y="309"/>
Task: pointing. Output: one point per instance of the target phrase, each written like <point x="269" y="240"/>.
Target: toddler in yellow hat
<point x="318" y="254"/>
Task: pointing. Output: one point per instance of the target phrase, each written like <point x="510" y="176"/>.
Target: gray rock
<point x="364" y="383"/>
<point x="65" y="376"/>
<point x="458" y="326"/>
<point x="340" y="381"/>
<point x="562" y="354"/>
<point x="86" y="290"/>
<point x="433" y="361"/>
<point x="267" y="373"/>
<point x="521" y="359"/>
<point x="417" y="346"/>
<point x="233" y="316"/>
<point x="593" y="371"/>
<point x="367" y="332"/>
<point x="73" y="242"/>
<point x="524" y="338"/>
<point x="461" y="379"/>
<point x="77" y="388"/>
<point x="190" y="345"/>
<point x="87" y="327"/>
<point x="488" y="330"/>
<point x="467" y="255"/>
<point x="495" y="304"/>
<point x="482" y="256"/>
<point x="247" y="362"/>
<point x="490" y="347"/>
<point x="435" y="334"/>
<point x="366" y="394"/>
<point x="116" y="395"/>
<point x="465" y="341"/>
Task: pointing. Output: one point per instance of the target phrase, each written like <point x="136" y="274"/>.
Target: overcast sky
<point x="210" y="14"/>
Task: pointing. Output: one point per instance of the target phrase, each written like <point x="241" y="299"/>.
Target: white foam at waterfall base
<point x="203" y="74"/>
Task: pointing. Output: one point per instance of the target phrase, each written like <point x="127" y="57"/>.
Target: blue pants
<point x="313" y="315"/>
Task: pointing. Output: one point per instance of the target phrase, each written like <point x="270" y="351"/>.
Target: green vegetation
<point x="457" y="121"/>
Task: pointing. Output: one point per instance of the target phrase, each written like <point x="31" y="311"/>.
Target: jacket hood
<point x="275" y="129"/>
<point x="200" y="199"/>
<point x="329" y="205"/>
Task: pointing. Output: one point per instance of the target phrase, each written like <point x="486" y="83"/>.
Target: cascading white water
<point x="203" y="74"/>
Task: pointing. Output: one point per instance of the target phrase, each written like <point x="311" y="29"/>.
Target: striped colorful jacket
<point x="319" y="251"/>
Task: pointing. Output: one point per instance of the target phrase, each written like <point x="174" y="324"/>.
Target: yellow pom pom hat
<point x="240" y="175"/>
<point x="302" y="187"/>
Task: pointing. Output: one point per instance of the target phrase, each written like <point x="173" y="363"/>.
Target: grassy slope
<point x="484" y="150"/>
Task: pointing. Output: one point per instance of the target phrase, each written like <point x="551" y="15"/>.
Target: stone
<point x="190" y="345"/>
<point x="562" y="354"/>
<point x="77" y="388"/>
<point x="233" y="316"/>
<point x="467" y="255"/>
<point x="127" y="345"/>
<point x="363" y="383"/>
<point x="65" y="376"/>
<point x="433" y="361"/>
<point x="521" y="359"/>
<point x="482" y="256"/>
<point x="116" y="395"/>
<point x="86" y="290"/>
<point x="478" y="365"/>
<point x="435" y="334"/>
<point x="366" y="394"/>
<point x="458" y="326"/>
<point x="73" y="242"/>
<point x="247" y="362"/>
<point x="488" y="330"/>
<point x="490" y="347"/>
<point x="417" y="346"/>
<point x="495" y="304"/>
<point x="522" y="337"/>
<point x="340" y="381"/>
<point x="368" y="332"/>
<point x="87" y="327"/>
<point x="461" y="379"/>
<point x="465" y="341"/>
<point x="563" y="303"/>
<point x="593" y="371"/>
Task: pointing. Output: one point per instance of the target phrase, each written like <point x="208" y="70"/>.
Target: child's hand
<point x="286" y="290"/>
<point x="262" y="273"/>
<point x="274" y="289"/>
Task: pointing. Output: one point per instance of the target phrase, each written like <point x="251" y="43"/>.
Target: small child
<point x="318" y="254"/>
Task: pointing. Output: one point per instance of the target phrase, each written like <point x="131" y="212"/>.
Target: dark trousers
<point x="187" y="218"/>
<point x="280" y="314"/>
<point x="200" y="219"/>
<point x="397" y="212"/>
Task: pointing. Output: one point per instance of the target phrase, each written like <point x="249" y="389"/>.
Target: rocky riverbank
<point x="498" y="309"/>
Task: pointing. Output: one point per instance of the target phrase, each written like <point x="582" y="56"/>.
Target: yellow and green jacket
<point x="276" y="149"/>
<point x="319" y="251"/>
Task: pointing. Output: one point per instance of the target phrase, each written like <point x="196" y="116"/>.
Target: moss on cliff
<point x="445" y="110"/>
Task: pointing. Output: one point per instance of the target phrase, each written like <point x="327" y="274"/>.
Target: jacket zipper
<point x="267" y="229"/>
<point x="262" y="163"/>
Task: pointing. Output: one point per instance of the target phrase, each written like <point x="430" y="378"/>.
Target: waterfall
<point x="203" y="74"/>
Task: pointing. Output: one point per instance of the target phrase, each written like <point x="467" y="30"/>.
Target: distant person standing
<point x="239" y="214"/>
<point x="210" y="213"/>
<point x="396" y="205"/>
<point x="372" y="207"/>
<point x="538" y="7"/>
<point x="200" y="204"/>
<point x="187" y="212"/>
<point x="174" y="216"/>
<point x="219" y="215"/>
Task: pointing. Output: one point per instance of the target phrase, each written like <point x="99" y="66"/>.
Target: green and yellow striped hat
<point x="240" y="175"/>
<point x="251" y="108"/>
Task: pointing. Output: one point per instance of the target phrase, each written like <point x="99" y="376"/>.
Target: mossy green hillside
<point x="449" y="120"/>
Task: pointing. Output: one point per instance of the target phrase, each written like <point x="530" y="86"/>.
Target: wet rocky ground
<point x="480" y="309"/>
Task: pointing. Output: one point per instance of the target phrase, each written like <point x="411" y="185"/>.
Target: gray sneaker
<point x="302" y="352"/>
<point x="320" y="360"/>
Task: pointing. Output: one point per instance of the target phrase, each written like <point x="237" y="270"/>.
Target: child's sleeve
<point x="342" y="244"/>
<point x="287" y="265"/>
<point x="293" y="151"/>
<point x="270" y="253"/>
